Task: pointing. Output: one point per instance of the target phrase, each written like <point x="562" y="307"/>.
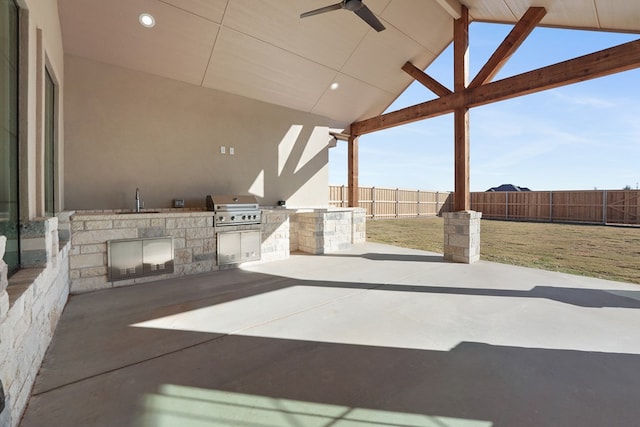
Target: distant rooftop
<point x="508" y="187"/>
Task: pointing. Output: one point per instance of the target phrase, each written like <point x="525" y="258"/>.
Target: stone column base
<point x="462" y="236"/>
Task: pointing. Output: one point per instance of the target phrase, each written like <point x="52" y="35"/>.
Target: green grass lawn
<point x="611" y="253"/>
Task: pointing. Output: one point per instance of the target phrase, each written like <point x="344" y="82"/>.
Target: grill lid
<point x="221" y="203"/>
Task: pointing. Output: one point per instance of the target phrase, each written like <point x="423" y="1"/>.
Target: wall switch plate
<point x="223" y="149"/>
<point x="232" y="151"/>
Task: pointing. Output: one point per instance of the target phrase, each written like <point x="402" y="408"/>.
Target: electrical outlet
<point x="232" y="151"/>
<point x="223" y="149"/>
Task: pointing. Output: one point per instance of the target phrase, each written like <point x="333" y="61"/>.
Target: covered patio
<point x="377" y="335"/>
<point x="122" y="116"/>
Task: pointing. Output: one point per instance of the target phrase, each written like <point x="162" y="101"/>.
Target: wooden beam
<point x="605" y="62"/>
<point x="508" y="47"/>
<point x="425" y="110"/>
<point x="340" y="136"/>
<point x="461" y="197"/>
<point x="352" y="178"/>
<point x="430" y="83"/>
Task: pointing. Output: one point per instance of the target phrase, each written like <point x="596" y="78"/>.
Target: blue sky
<point x="577" y="137"/>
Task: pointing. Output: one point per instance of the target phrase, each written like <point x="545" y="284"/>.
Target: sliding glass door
<point x="9" y="215"/>
<point x="49" y="146"/>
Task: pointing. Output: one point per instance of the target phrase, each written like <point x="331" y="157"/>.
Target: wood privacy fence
<point x="394" y="202"/>
<point x="595" y="207"/>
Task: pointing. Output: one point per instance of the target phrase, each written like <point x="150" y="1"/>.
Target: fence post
<point x="397" y="203"/>
<point x="604" y="207"/>
<point x="373" y="202"/>
<point x="506" y="205"/>
<point x="342" y="196"/>
<point x="437" y="203"/>
<point x="550" y="206"/>
<point x="418" y="203"/>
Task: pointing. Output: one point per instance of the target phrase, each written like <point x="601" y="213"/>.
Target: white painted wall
<point x="126" y="129"/>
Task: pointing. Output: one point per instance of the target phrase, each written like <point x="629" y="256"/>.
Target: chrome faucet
<point x="138" y="200"/>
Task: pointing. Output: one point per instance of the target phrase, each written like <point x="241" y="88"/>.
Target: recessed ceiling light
<point x="334" y="86"/>
<point x="147" y="20"/>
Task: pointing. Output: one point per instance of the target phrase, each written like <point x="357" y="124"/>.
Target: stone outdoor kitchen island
<point x="314" y="231"/>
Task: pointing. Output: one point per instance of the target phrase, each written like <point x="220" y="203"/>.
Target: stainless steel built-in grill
<point x="234" y="210"/>
<point x="237" y="220"/>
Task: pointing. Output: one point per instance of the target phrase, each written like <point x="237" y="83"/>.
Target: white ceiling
<point x="261" y="49"/>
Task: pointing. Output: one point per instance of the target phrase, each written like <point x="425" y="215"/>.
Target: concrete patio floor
<point x="377" y="335"/>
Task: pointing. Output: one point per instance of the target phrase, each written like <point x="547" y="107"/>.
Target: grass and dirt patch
<point x="605" y="252"/>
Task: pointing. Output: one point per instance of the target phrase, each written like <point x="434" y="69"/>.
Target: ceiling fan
<point x="355" y="6"/>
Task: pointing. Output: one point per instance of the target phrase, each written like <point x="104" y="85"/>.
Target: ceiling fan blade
<point x="322" y="10"/>
<point x="367" y="16"/>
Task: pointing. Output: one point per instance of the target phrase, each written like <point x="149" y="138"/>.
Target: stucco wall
<point x="41" y="45"/>
<point x="126" y="129"/>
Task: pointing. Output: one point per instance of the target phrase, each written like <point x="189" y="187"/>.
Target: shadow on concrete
<point x="108" y="314"/>
<point x="392" y="257"/>
<point x="594" y="298"/>
<point x="250" y="381"/>
<point x="588" y="297"/>
<point x="120" y="374"/>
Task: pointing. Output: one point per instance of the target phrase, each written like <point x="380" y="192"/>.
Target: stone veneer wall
<point x="283" y="230"/>
<point x="36" y="297"/>
<point x="462" y="236"/>
<point x="359" y="225"/>
<point x="275" y="235"/>
<point x="193" y="235"/>
<point x="193" y="242"/>
<point x="329" y="230"/>
<point x="293" y="233"/>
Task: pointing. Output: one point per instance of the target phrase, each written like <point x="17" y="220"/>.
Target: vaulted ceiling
<point x="261" y="49"/>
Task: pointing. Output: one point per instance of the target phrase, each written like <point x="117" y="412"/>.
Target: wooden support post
<point x="352" y="172"/>
<point x="461" y="200"/>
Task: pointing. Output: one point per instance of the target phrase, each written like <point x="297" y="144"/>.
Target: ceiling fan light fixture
<point x="355" y="6"/>
<point x="147" y="20"/>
